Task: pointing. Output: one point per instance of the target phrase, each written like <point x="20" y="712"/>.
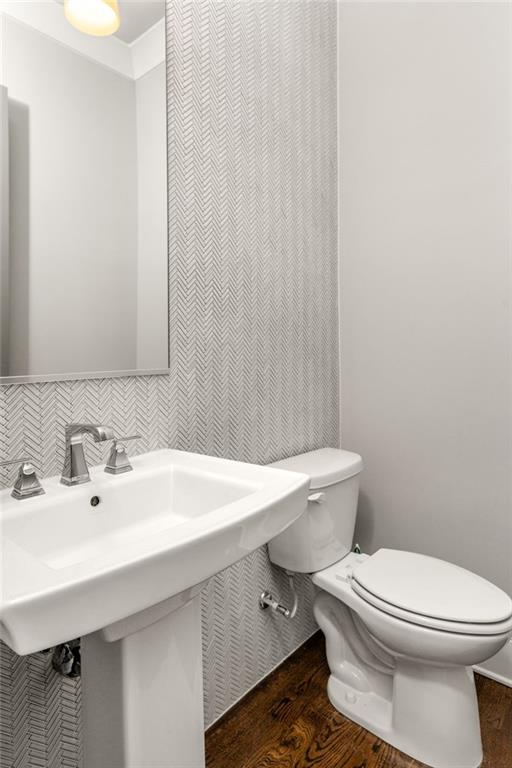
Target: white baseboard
<point x="499" y="667"/>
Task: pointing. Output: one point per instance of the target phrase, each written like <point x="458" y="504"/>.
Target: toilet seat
<point x="432" y="593"/>
<point x="430" y="622"/>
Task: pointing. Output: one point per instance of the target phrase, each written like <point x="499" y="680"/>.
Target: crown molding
<point x="148" y="50"/>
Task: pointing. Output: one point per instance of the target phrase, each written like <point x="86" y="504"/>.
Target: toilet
<point x="402" y="629"/>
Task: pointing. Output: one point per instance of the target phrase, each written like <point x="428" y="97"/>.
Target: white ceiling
<point x="137" y="16"/>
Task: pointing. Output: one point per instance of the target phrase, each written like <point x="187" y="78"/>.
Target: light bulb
<point x="94" y="17"/>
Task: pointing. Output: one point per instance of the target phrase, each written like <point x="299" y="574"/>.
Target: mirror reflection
<point x="83" y="190"/>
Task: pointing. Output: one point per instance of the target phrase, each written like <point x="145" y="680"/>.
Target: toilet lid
<point x="426" y="586"/>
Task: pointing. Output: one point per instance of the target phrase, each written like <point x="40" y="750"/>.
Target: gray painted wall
<point x="426" y="314"/>
<point x="253" y="321"/>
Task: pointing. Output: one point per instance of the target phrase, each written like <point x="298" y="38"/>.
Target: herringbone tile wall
<point x="253" y="289"/>
<point x="253" y="305"/>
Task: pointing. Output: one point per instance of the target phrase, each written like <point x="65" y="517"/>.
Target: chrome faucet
<point x="75" y="470"/>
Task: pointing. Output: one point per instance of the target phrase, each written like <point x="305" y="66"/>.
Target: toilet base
<point x="438" y="725"/>
<point x="429" y="712"/>
<point x="367" y="709"/>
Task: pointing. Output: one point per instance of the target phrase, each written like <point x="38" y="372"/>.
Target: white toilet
<point x="402" y="629"/>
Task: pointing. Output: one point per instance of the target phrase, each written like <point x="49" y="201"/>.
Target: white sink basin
<point x="70" y="568"/>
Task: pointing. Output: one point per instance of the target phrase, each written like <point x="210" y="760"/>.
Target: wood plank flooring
<point x="288" y="722"/>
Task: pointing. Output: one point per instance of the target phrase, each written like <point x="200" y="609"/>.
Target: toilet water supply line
<point x="267" y="600"/>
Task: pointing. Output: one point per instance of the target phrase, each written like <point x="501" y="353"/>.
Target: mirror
<point x="83" y="194"/>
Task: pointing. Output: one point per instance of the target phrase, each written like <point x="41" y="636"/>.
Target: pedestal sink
<point x="119" y="561"/>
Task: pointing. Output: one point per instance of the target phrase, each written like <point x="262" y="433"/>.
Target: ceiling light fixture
<point x="94" y="17"/>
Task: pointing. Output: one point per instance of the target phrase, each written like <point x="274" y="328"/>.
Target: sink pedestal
<point x="143" y="689"/>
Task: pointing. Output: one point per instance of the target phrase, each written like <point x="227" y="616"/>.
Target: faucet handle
<point x="118" y="461"/>
<point x="27" y="483"/>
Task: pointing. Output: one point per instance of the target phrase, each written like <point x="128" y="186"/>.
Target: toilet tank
<point x="325" y="532"/>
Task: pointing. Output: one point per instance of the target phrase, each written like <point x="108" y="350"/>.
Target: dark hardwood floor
<point x="288" y="722"/>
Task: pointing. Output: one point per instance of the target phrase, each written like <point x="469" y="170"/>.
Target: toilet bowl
<point x="402" y="629"/>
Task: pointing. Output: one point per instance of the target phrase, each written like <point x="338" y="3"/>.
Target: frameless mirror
<point x="83" y="193"/>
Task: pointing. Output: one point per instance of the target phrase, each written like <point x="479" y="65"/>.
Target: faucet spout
<point x="75" y="470"/>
